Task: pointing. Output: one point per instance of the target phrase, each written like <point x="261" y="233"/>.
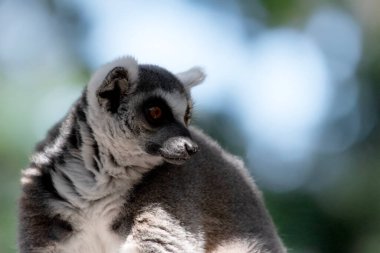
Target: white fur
<point x="240" y="246"/>
<point x="94" y="233"/>
<point x="191" y="77"/>
<point x="106" y="184"/>
<point x="160" y="226"/>
<point x="127" y="62"/>
<point x="88" y="152"/>
<point x="125" y="149"/>
<point x="49" y="151"/>
<point x="176" y="101"/>
<point x="94" y="211"/>
<point x="129" y="246"/>
<point x="28" y="174"/>
<point x="101" y="197"/>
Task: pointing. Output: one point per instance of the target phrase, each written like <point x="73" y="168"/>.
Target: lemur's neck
<point x="83" y="169"/>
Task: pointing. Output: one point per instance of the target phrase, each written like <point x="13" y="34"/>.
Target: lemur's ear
<point x="191" y="77"/>
<point x="113" y="87"/>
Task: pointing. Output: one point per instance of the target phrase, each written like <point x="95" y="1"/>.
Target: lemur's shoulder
<point x="212" y="150"/>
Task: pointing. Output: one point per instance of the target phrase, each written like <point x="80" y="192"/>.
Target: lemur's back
<point x="124" y="172"/>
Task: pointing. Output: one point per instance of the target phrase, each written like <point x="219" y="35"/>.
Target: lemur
<point x="125" y="172"/>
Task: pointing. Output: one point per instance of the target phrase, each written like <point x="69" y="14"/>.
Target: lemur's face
<point x="153" y="111"/>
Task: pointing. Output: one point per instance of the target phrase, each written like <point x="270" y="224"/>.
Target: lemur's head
<point x="140" y="113"/>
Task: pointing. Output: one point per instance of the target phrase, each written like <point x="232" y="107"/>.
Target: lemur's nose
<point x="178" y="149"/>
<point x="191" y="147"/>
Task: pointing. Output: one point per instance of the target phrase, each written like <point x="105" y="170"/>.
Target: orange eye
<point x="155" y="112"/>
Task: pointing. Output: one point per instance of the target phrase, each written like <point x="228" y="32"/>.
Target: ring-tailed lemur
<point x="121" y="173"/>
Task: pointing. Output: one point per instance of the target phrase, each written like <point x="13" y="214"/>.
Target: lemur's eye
<point x="155" y="112"/>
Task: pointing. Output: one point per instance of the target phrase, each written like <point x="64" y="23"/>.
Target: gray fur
<point x="107" y="179"/>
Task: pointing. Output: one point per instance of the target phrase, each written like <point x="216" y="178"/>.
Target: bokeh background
<point x="292" y="87"/>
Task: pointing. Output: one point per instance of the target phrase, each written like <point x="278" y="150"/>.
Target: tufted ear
<point x="114" y="85"/>
<point x="191" y="77"/>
